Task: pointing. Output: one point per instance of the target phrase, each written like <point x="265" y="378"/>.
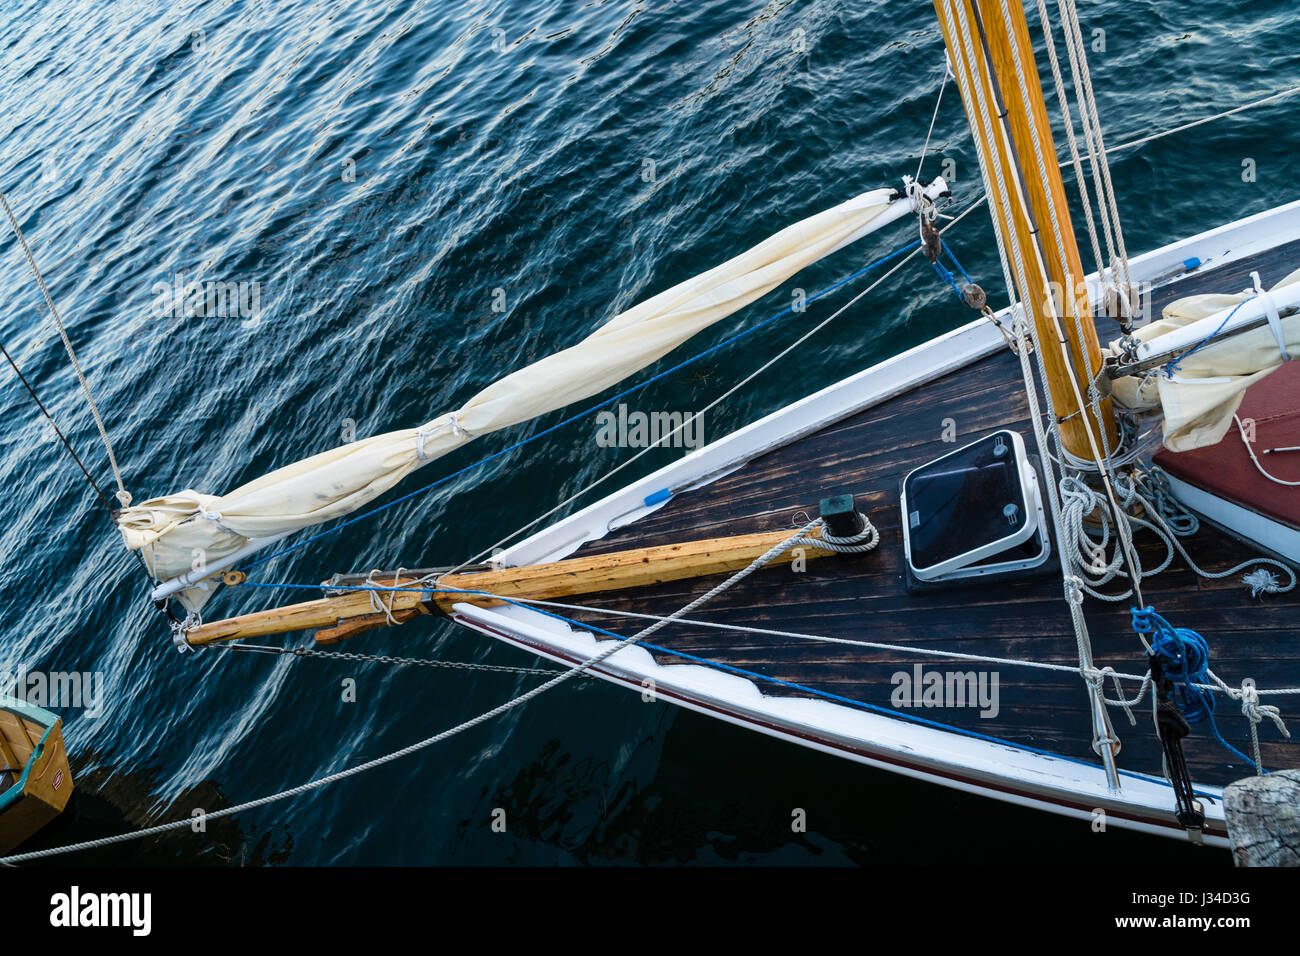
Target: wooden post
<point x="1263" y="815"/>
<point x="1052" y="288"/>
<point x="347" y="614"/>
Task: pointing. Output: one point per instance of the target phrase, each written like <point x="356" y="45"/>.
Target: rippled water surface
<point x="376" y="172"/>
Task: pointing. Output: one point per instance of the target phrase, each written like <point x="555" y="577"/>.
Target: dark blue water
<point x="379" y="170"/>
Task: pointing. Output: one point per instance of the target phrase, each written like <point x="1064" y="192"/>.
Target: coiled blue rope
<point x="1185" y="657"/>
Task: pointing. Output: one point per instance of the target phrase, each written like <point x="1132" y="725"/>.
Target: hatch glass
<point x="969" y="505"/>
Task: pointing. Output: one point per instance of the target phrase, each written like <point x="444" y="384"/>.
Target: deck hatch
<point x="975" y="511"/>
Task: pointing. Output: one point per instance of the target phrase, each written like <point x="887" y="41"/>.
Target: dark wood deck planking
<point x="865" y="597"/>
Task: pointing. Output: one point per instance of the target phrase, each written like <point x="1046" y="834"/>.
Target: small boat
<point x="35" y="780"/>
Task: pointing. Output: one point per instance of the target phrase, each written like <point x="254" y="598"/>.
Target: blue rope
<point x="582" y="626"/>
<point x="947" y="275"/>
<point x="1185" y="657"/>
<point x="583" y="414"/>
<point x="1172" y="366"/>
<point x="965" y="275"/>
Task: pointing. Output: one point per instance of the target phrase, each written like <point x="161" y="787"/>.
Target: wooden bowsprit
<point x="343" y="615"/>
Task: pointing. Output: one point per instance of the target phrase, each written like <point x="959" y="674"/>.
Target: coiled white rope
<point x="1088" y="548"/>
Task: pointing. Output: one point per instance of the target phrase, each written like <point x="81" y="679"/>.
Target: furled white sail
<point x="186" y="532"/>
<point x="1205" y="388"/>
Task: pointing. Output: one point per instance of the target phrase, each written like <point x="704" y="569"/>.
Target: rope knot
<point x="181" y="629"/>
<point x="460" y="430"/>
<point x="1074" y="589"/>
<point x="1262" y="581"/>
<point x="215" y="517"/>
<point x="1255" y="712"/>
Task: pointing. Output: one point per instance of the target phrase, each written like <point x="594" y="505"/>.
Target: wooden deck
<point x="865" y="598"/>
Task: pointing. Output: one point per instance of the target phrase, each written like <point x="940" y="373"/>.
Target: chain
<point x="385" y="659"/>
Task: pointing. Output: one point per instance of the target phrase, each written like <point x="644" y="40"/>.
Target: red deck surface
<point x="1226" y="470"/>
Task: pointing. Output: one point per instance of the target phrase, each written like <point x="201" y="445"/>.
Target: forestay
<point x="169" y="531"/>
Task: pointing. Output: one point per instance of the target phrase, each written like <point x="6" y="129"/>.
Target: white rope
<point x="1068" y="122"/>
<point x="1160" y="135"/>
<point x="1102" y="454"/>
<point x="1251" y="451"/>
<point x="378" y="606"/>
<point x="1102" y="731"/>
<point x="946" y="653"/>
<point x="1064" y="265"/>
<point x="123" y="496"/>
<point x="947" y="72"/>
<point x="1206" y="119"/>
<point x="827" y="639"/>
<point x="801" y="536"/>
<point x="1092" y="129"/>
<point x="1088" y="549"/>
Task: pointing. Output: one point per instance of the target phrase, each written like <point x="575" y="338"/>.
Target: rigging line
<point x="1262" y="470"/>
<point x="383" y="659"/>
<point x="1170" y="367"/>
<point x="1063" y="163"/>
<point x="533" y="603"/>
<point x="122" y="494"/>
<point x="926" y="148"/>
<point x="675" y="618"/>
<point x="536" y="603"/>
<point x="586" y="412"/>
<point x="895" y="714"/>
<point x="974" y="205"/>
<point x="992" y="175"/>
<point x="745" y="381"/>
<point x="1091" y="131"/>
<point x="1037" y="246"/>
<point x="572" y="671"/>
<point x="57" y="431"/>
<point x="1186" y="126"/>
<point x="1055" y="215"/>
<point x="1068" y="122"/>
<point x="879" y="645"/>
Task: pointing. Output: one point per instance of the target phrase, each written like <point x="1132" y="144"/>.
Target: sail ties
<point x="1271" y="313"/>
<point x="211" y="514"/>
<point x="449" y="422"/>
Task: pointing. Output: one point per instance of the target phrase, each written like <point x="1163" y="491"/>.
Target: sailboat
<point x="1047" y="557"/>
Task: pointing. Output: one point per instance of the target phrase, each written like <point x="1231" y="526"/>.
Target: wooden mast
<point x="984" y="53"/>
